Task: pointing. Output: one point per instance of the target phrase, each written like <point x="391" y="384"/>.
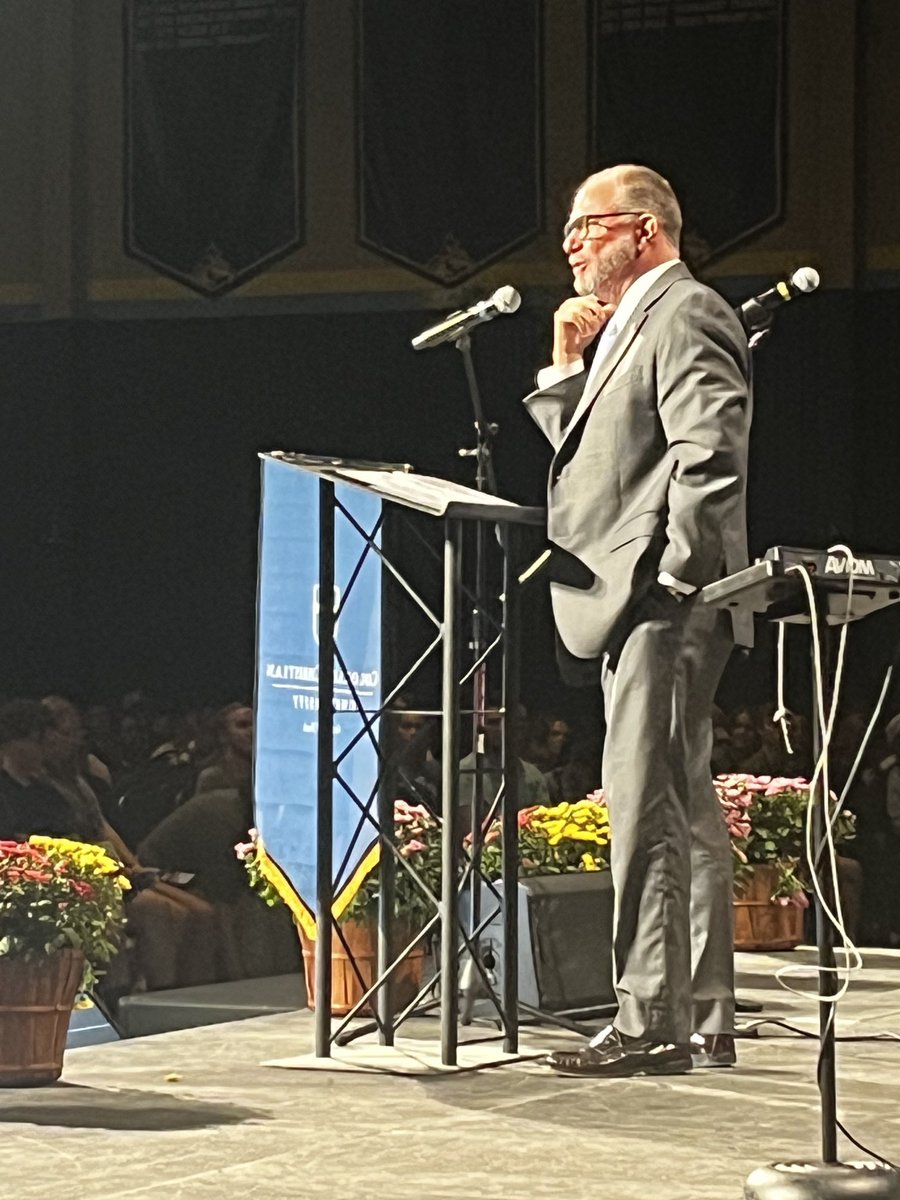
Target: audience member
<point x="43" y="790"/>
<point x="410" y="760"/>
<point x="29" y="804"/>
<point x="578" y="777"/>
<point x="156" y="782"/>
<point x="548" y="745"/>
<point x="198" y="840"/>
<point x="232" y="765"/>
<point x="531" y="786"/>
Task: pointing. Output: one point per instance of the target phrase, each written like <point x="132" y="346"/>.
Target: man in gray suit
<point x="647" y="502"/>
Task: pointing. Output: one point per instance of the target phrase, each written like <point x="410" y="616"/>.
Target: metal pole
<point x="828" y="984"/>
<point x="510" y="823"/>
<point x="450" y="794"/>
<point x="485" y="481"/>
<point x="387" y="881"/>
<point x="325" y="769"/>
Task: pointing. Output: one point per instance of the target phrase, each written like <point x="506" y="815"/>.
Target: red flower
<point x="37" y="876"/>
<point x="524" y="815"/>
<point x="84" y="890"/>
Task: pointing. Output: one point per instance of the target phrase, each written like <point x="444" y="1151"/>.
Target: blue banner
<point x="287" y="687"/>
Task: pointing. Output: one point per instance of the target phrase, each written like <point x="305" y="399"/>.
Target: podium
<point x="785" y="588"/>
<point x="312" y="508"/>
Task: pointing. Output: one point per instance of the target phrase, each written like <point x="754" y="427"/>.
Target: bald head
<point x="640" y="189"/>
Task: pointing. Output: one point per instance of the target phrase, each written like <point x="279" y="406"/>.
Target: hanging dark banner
<point x="213" y="187"/>
<point x="448" y="119"/>
<point x="693" y="88"/>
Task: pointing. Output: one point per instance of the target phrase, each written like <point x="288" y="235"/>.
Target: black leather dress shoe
<point x="620" y="1057"/>
<point x="713" y="1050"/>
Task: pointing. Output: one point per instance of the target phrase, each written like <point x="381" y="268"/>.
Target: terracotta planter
<point x="36" y="1001"/>
<point x="759" y="922"/>
<point x="347" y="989"/>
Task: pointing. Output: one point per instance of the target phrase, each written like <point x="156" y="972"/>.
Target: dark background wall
<point x="132" y="409"/>
<point x="130" y="494"/>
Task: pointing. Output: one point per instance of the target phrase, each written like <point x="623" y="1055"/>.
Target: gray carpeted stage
<point x="192" y="1115"/>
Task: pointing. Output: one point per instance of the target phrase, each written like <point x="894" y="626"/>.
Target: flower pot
<point x="761" y="923"/>
<point x="349" y="985"/>
<point x="565" y="941"/>
<point x="36" y="999"/>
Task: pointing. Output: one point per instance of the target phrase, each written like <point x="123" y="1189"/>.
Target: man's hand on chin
<point x="576" y="323"/>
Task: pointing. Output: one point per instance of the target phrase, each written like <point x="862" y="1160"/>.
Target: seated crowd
<point x="170" y="795"/>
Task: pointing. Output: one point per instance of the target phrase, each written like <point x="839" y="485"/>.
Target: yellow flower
<point x="85" y="856"/>
<point x="589" y="862"/>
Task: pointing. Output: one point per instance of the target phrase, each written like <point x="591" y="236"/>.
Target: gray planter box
<point x="565" y="941"/>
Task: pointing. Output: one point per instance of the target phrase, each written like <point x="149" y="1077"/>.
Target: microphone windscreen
<point x="506" y="299"/>
<point x="805" y="279"/>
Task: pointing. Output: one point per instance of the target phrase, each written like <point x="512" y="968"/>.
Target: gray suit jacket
<point x="652" y="476"/>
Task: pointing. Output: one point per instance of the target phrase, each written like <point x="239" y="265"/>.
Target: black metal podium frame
<point x="778" y="593"/>
<point x="456" y="507"/>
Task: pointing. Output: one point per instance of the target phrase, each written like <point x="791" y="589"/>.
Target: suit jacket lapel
<point x="623" y="340"/>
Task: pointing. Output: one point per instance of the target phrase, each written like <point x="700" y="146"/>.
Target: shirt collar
<point x="637" y="290"/>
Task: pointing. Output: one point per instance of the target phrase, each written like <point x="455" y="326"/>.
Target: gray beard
<point x="596" y="283"/>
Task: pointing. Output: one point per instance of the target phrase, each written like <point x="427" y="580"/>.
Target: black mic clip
<point x="757" y="321"/>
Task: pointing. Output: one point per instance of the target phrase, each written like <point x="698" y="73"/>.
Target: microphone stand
<point x="485" y="481"/>
<point x="829" y="1178"/>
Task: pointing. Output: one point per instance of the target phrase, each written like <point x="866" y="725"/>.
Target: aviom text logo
<point x="839" y="564"/>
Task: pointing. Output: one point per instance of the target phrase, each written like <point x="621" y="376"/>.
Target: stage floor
<point x="192" y="1115"/>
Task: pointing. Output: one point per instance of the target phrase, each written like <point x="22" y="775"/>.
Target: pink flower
<point x="243" y="849"/>
<point x="413" y="847"/>
<point x="786" y="785"/>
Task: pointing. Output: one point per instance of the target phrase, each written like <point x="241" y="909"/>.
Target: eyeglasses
<point x="581" y="225"/>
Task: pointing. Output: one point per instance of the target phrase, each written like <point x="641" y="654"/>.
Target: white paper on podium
<point x="425" y="492"/>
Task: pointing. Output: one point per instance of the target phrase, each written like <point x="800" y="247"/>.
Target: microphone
<point x="755" y="313"/>
<point x="504" y="300"/>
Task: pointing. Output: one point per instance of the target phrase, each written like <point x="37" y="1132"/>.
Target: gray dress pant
<point x="671" y="856"/>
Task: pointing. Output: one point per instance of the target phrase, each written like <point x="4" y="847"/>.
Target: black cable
<point x="879" y="1158"/>
<point x="805" y="1033"/>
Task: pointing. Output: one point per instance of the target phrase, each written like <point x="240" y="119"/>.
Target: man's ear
<point x="648" y="229"/>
